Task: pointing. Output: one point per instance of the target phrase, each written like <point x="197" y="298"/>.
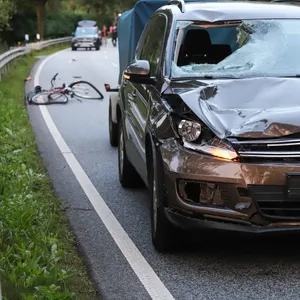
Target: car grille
<point x="279" y="148"/>
<point x="273" y="203"/>
<point x="85" y="40"/>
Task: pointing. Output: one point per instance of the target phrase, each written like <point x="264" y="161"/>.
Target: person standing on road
<point x="104" y="35"/>
<point x="114" y="33"/>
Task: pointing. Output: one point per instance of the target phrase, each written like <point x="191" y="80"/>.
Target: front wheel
<point x="128" y="176"/>
<point x="163" y="232"/>
<point x="74" y="48"/>
<point x="85" y="90"/>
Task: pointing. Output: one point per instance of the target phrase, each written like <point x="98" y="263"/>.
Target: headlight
<point x="189" y="130"/>
<point x="215" y="147"/>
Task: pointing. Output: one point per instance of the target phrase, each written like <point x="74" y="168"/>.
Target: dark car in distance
<point x="209" y="118"/>
<point x="87" y="35"/>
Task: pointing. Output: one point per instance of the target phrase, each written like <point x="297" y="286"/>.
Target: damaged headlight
<point x="189" y="130"/>
<point x="198" y="137"/>
<point x="215" y="147"/>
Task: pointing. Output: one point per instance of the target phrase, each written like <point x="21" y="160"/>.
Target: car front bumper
<point x="85" y="44"/>
<point x="204" y="191"/>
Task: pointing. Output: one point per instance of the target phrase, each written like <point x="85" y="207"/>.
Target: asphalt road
<point x="206" y="267"/>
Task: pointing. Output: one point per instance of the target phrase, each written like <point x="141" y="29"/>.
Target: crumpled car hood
<point x="248" y="108"/>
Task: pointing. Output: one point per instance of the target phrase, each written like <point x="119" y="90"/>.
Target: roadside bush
<point x="38" y="260"/>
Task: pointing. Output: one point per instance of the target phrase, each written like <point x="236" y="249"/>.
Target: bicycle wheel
<point x="45" y="98"/>
<point x="85" y="90"/>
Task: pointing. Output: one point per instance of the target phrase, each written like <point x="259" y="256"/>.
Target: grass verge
<point x="38" y="257"/>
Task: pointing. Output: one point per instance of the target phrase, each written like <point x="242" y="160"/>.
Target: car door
<point x="138" y="95"/>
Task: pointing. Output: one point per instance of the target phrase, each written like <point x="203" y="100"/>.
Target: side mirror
<point x="73" y="34"/>
<point x="139" y="72"/>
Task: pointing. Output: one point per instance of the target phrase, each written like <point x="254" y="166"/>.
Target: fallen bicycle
<point x="79" y="89"/>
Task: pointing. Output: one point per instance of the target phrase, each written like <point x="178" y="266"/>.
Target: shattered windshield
<point x="237" y="49"/>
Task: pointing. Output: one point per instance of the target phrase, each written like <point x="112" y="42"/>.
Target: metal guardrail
<point x="8" y="57"/>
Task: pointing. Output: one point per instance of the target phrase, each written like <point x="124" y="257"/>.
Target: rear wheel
<point x="85" y="90"/>
<point x="163" y="232"/>
<point x="128" y="176"/>
<point x="45" y="98"/>
<point x="113" y="128"/>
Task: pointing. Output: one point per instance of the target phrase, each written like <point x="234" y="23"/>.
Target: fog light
<point x="207" y="193"/>
<point x="200" y="192"/>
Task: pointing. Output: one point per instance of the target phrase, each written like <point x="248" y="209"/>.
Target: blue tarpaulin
<point x="131" y="25"/>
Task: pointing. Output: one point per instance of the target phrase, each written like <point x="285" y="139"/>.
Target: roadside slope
<point x="38" y="257"/>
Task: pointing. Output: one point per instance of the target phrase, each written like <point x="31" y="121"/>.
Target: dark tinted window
<point x="153" y="41"/>
<point x="85" y="31"/>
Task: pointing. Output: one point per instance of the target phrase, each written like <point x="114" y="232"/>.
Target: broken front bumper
<point x="204" y="191"/>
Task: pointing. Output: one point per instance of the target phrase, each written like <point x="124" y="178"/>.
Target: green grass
<point x="38" y="257"/>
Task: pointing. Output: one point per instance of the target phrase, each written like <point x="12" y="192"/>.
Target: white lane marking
<point x="115" y="65"/>
<point x="105" y="54"/>
<point x="152" y="283"/>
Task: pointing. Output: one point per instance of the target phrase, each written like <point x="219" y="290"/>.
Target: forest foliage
<point x="53" y="18"/>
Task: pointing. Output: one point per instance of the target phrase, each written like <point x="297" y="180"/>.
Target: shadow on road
<point x="239" y="244"/>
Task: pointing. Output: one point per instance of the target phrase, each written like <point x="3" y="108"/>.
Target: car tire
<point x="97" y="47"/>
<point x="113" y="128"/>
<point x="128" y="176"/>
<point x="163" y="232"/>
<point x="74" y="48"/>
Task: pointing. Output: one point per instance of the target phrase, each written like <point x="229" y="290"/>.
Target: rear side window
<point x="152" y="43"/>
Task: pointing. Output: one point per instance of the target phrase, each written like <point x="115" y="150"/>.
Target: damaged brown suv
<point x="209" y="118"/>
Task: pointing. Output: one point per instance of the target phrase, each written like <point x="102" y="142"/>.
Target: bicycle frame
<point x="57" y="90"/>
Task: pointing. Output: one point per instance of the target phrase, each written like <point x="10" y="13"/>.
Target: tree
<point x="40" y="12"/>
<point x="7" y="8"/>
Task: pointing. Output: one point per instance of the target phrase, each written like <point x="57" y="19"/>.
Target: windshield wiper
<point x="219" y="77"/>
<point x="291" y="76"/>
<point x="207" y="77"/>
<point x="285" y="1"/>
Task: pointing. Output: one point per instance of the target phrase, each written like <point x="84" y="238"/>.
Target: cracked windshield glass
<point x="237" y="49"/>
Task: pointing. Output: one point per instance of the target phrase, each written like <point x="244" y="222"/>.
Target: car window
<point x="237" y="49"/>
<point x="86" y="31"/>
<point x="152" y="42"/>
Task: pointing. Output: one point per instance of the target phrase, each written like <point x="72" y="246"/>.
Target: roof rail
<point x="180" y="3"/>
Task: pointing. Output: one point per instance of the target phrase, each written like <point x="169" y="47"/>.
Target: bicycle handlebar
<point x="53" y="79"/>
